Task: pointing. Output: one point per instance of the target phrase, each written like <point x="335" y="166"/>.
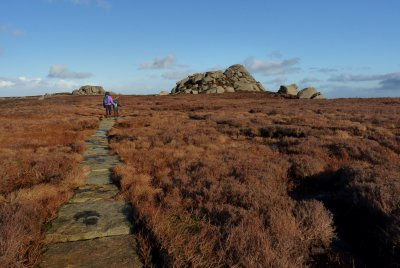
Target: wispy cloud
<point x="309" y="80"/>
<point x="272" y="67"/>
<point x="103" y="4"/>
<point x="166" y="62"/>
<point x="10" y="30"/>
<point x="391" y="84"/>
<point x="275" y="54"/>
<point x="25" y="86"/>
<point x="277" y="81"/>
<point x="363" y="77"/>
<point x="176" y="75"/>
<point x="323" y="70"/>
<point x="62" y="71"/>
<point x="6" y="83"/>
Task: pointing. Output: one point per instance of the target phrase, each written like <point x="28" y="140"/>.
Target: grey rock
<point x="319" y="96"/>
<point x="307" y="93"/>
<point x="235" y="78"/>
<point x="197" y="77"/>
<point x="243" y="86"/>
<point x="212" y="91"/>
<point x="289" y="89"/>
<point x="208" y="79"/>
<point x="229" y="89"/>
<point x="89" y="90"/>
<point x="163" y="93"/>
<point x="220" y="90"/>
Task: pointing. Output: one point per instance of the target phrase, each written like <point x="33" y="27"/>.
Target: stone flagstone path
<point x="93" y="229"/>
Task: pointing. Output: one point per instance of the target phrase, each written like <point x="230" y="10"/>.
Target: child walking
<point x="116" y="106"/>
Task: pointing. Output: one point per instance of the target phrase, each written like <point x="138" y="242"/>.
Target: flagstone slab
<point x="89" y="152"/>
<point x="115" y="251"/>
<point x="105" y="160"/>
<point x="91" y="193"/>
<point x="100" y="167"/>
<point x="82" y="221"/>
<point x="99" y="177"/>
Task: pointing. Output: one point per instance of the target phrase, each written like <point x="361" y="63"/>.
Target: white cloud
<point x="310" y="80"/>
<point x="159" y="63"/>
<point x="26" y="86"/>
<point x="80" y="2"/>
<point x="5" y="83"/>
<point x="323" y="70"/>
<point x="278" y="80"/>
<point x="10" y="30"/>
<point x="104" y="4"/>
<point x="362" y="78"/>
<point x="61" y="71"/>
<point x="276" y="54"/>
<point x="271" y="67"/>
<point x="215" y="68"/>
<point x="176" y="75"/>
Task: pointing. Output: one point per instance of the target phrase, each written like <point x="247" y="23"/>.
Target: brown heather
<point x="231" y="180"/>
<point x="41" y="148"/>
<point x="256" y="180"/>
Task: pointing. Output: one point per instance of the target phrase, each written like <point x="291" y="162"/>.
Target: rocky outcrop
<point x="310" y="93"/>
<point x="89" y="90"/>
<point x="289" y="89"/>
<point x="236" y="78"/>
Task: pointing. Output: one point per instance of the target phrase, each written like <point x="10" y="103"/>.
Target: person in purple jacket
<point x="108" y="103"/>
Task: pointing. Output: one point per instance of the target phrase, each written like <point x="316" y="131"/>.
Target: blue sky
<point x="344" y="48"/>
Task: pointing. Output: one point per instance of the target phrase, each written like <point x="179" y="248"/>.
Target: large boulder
<point x="235" y="78"/>
<point x="89" y="90"/>
<point x="289" y="89"/>
<point x="163" y="93"/>
<point x="310" y="93"/>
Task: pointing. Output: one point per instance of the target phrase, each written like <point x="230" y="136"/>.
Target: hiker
<point x="108" y="103"/>
<point x="116" y="106"/>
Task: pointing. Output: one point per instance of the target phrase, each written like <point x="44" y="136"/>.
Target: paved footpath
<point x="93" y="229"/>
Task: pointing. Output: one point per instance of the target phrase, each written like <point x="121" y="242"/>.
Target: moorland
<point x="240" y="179"/>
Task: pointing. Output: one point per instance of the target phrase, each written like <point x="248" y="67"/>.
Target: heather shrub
<point x="254" y="180"/>
<point x="42" y="143"/>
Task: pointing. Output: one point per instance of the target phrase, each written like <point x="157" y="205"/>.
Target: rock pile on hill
<point x="235" y="78"/>
<point x="310" y="93"/>
<point x="306" y="93"/>
<point x="290" y="89"/>
<point x="89" y="90"/>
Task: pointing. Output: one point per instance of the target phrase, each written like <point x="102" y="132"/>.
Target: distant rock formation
<point x="306" y="93"/>
<point x="163" y="93"/>
<point x="289" y="89"/>
<point x="310" y="93"/>
<point x="89" y="90"/>
<point x="235" y="78"/>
